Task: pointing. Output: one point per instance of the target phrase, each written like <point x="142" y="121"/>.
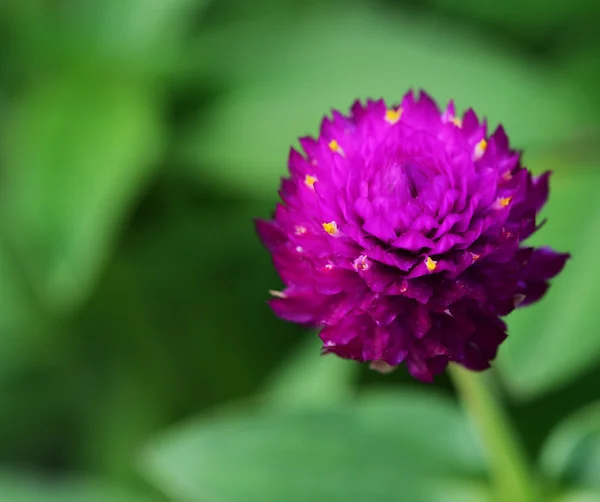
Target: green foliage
<point x="94" y="144"/>
<point x="382" y="445"/>
<point x="18" y="488"/>
<point x="572" y="453"/>
<point x="307" y="380"/>
<point x="534" y="20"/>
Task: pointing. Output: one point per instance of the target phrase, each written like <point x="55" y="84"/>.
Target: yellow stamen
<point x="431" y="264"/>
<point x="480" y="149"/>
<point x="392" y="116"/>
<point x="310" y="181"/>
<point x="504" y="201"/>
<point x="331" y="228"/>
<point x="475" y="256"/>
<point x="335" y="147"/>
<point x="457" y="121"/>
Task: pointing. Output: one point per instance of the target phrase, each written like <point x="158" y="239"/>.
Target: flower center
<point x="404" y="180"/>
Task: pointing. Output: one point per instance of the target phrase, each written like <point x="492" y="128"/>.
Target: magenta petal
<point x="544" y="263"/>
<point x="376" y="275"/>
<point x="412" y="241"/>
<point x="349" y="332"/>
<point x="270" y="234"/>
<point x="379" y="227"/>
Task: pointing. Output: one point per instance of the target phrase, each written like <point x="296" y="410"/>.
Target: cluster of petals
<point x="400" y="235"/>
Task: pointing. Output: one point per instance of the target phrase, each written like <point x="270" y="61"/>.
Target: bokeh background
<point x="139" y="139"/>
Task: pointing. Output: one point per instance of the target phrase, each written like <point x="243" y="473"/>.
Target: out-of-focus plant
<point x="137" y="141"/>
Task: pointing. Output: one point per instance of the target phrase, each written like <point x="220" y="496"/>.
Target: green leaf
<point x="76" y="153"/>
<point x="19" y="318"/>
<point x="554" y="341"/>
<point x="139" y="33"/>
<point x="380" y="446"/>
<point x="578" y="496"/>
<point x="534" y="19"/>
<point x="308" y="379"/>
<point x="289" y="76"/>
<point x="120" y="417"/>
<point x="17" y="487"/>
<point x="132" y="37"/>
<point x="26" y="329"/>
<point x="571" y="455"/>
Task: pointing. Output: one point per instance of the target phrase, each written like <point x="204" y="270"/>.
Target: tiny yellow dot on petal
<point x="310" y="180"/>
<point x="334" y="146"/>
<point x="431" y="264"/>
<point x="331" y="228"/>
<point x="480" y="149"/>
<point x="505" y="201"/>
<point x="457" y="121"/>
<point x="392" y="116"/>
<point x="299" y="230"/>
<point x="475" y="256"/>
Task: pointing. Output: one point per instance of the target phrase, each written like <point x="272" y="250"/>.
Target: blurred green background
<point x="138" y="140"/>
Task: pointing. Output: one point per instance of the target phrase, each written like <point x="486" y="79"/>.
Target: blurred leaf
<point x="137" y="25"/>
<point x="177" y="323"/>
<point x="289" y="76"/>
<point x="131" y="36"/>
<point x="146" y="33"/>
<point x="19" y="317"/>
<point x="76" y="154"/>
<point x="308" y="379"/>
<point x="578" y="496"/>
<point x="16" y="487"/>
<point x="533" y="19"/>
<point x="581" y="61"/>
<point x="383" y="444"/>
<point x="557" y="339"/>
<point x="571" y="455"/>
<point x="120" y="419"/>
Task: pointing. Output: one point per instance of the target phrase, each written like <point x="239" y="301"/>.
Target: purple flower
<point x="400" y="236"/>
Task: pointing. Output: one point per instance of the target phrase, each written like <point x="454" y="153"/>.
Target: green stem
<point x="510" y="469"/>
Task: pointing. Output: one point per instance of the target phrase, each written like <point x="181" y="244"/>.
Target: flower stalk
<point x="510" y="470"/>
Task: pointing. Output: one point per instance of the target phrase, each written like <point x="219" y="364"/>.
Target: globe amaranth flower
<point x="399" y="234"/>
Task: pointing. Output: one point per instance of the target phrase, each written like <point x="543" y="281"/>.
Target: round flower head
<point x="400" y="236"/>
